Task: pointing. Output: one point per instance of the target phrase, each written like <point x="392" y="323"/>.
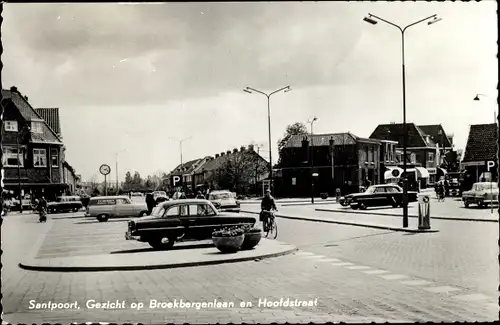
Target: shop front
<point x="481" y="171"/>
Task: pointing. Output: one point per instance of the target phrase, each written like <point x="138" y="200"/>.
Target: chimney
<point x="14" y="89"/>
<point x="250" y="147"/>
<point x="222" y="154"/>
<point x="242" y="149"/>
<point x="216" y="155"/>
<point x="235" y="150"/>
<point x="228" y="152"/>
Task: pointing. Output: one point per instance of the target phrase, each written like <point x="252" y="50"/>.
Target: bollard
<point x="424" y="217"/>
<point x="337" y="195"/>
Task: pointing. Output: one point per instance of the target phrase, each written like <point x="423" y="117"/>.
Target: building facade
<point x="324" y="163"/>
<point x="480" y="160"/>
<point x="33" y="153"/>
<point x="426" y="147"/>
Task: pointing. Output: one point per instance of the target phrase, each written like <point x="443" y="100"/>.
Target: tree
<point x="93" y="184"/>
<point x="297" y="128"/>
<point x="128" y="184"/>
<point x="137" y="180"/>
<point x="239" y="171"/>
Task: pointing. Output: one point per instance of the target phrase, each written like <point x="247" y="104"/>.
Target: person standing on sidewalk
<point x="150" y="202"/>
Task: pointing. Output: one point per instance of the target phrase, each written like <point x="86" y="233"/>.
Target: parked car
<point x="380" y="195"/>
<point x="104" y="207"/>
<point x="224" y="201"/>
<point x="65" y="204"/>
<point x="454" y="187"/>
<point x="182" y="219"/>
<point x="481" y="194"/>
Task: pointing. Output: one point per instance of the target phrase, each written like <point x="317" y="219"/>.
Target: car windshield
<point x="158" y="211"/>
<point x="486" y="186"/>
<point x="221" y="196"/>
<point x="160" y="193"/>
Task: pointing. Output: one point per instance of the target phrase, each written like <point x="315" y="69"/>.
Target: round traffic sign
<point x="104" y="169"/>
<point x="395" y="172"/>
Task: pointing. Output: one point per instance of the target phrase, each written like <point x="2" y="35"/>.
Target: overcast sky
<point x="131" y="76"/>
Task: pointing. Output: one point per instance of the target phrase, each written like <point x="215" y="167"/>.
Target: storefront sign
<point x="490" y="164"/>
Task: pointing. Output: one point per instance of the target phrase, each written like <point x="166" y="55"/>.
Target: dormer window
<point x="36" y="127"/>
<point x="10" y="126"/>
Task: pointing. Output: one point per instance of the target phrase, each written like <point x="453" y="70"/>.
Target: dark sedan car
<point x="182" y="219"/>
<point x="380" y="195"/>
<point x="65" y="204"/>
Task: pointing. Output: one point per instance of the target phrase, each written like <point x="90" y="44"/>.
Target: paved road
<point x="320" y="270"/>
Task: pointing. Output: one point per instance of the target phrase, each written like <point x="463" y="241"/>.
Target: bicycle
<point x="271" y="227"/>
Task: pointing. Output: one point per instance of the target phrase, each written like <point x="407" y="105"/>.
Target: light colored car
<point x="481" y="194"/>
<point x="104" y="207"/>
<point x="224" y="201"/>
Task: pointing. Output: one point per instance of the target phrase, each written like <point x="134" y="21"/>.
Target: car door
<point x="378" y="197"/>
<point x="124" y="208"/>
<point x="393" y="196"/>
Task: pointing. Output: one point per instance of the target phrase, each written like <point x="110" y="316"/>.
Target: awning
<point x="389" y="173"/>
<point x="422" y="172"/>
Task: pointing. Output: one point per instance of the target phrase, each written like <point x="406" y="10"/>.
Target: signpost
<point x="105" y="170"/>
<point x="489" y="165"/>
<point x="176" y="180"/>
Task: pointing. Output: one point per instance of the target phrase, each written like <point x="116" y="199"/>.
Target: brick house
<point x="188" y="171"/>
<point x="355" y="159"/>
<point x="481" y="148"/>
<point x="70" y="178"/>
<point x="250" y="167"/>
<point x="39" y="170"/>
<point x="426" y="145"/>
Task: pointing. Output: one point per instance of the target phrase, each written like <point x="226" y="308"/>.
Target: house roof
<point x="482" y="143"/>
<point x="319" y="140"/>
<point x="394" y="132"/>
<point x="437" y="134"/>
<point x="30" y="114"/>
<point x="51" y="116"/>
<point x="189" y="166"/>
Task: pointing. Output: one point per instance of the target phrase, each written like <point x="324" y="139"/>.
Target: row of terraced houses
<point x="345" y="161"/>
<point x="33" y="152"/>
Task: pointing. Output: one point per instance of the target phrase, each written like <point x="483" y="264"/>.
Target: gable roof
<point x="437" y="134"/>
<point x="394" y="132"/>
<point x="482" y="143"/>
<point x="30" y="114"/>
<point x="188" y="167"/>
<point x="51" y="116"/>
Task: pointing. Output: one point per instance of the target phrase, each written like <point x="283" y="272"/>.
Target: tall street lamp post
<point x="116" y="167"/>
<point x="372" y="19"/>
<point x="314" y="119"/>
<point x="495" y="117"/>
<point x="252" y="90"/>
<point x="180" y="148"/>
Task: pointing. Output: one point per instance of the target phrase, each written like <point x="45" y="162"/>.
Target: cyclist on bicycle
<point x="267" y="205"/>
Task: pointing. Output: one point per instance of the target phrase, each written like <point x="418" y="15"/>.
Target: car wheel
<point x="362" y="206"/>
<point x="103" y="218"/>
<point x="143" y="213"/>
<point x="158" y="243"/>
<point x="480" y="204"/>
<point x="354" y="207"/>
<point x="466" y="204"/>
<point x="75" y="210"/>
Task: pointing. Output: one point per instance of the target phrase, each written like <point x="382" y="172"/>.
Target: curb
<point x="26" y="266"/>
<point x="307" y="203"/>
<point x="410" y="216"/>
<point x="354" y="224"/>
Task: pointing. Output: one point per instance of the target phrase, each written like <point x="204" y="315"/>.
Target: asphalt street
<point x="357" y="274"/>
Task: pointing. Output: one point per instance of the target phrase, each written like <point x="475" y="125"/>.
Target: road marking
<point x="314" y="256"/>
<point x="416" y="282"/>
<point x="375" y="272"/>
<point x="330" y="260"/>
<point x="341" y="264"/>
<point x="303" y="253"/>
<point x="358" y="267"/>
<point x="472" y="297"/>
<point x="394" y="276"/>
<point x="442" y="289"/>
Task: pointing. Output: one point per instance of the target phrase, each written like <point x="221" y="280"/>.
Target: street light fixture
<point x="477" y="98"/>
<point x="372" y="19"/>
<point x="180" y="147"/>
<point x="314" y="119"/>
<point x="251" y="90"/>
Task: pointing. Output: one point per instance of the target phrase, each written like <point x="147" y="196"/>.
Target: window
<point x="379" y="190"/>
<point x="39" y="158"/>
<point x="172" y="212"/>
<point x="10" y="126"/>
<point x="201" y="210"/>
<point x="413" y="158"/>
<point x="386" y="153"/>
<point x="36" y="127"/>
<point x="391" y="152"/>
<point x="370" y="155"/>
<point x="392" y="190"/>
<point x="430" y="157"/>
<point x="10" y="157"/>
<point x="54" y="157"/>
<point x="122" y="201"/>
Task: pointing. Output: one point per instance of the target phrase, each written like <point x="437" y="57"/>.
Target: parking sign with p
<point x="176" y="180"/>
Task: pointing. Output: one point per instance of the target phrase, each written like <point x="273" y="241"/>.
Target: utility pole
<point x="312" y="158"/>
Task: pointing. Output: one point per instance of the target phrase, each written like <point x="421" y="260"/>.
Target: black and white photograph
<point x="249" y="162"/>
